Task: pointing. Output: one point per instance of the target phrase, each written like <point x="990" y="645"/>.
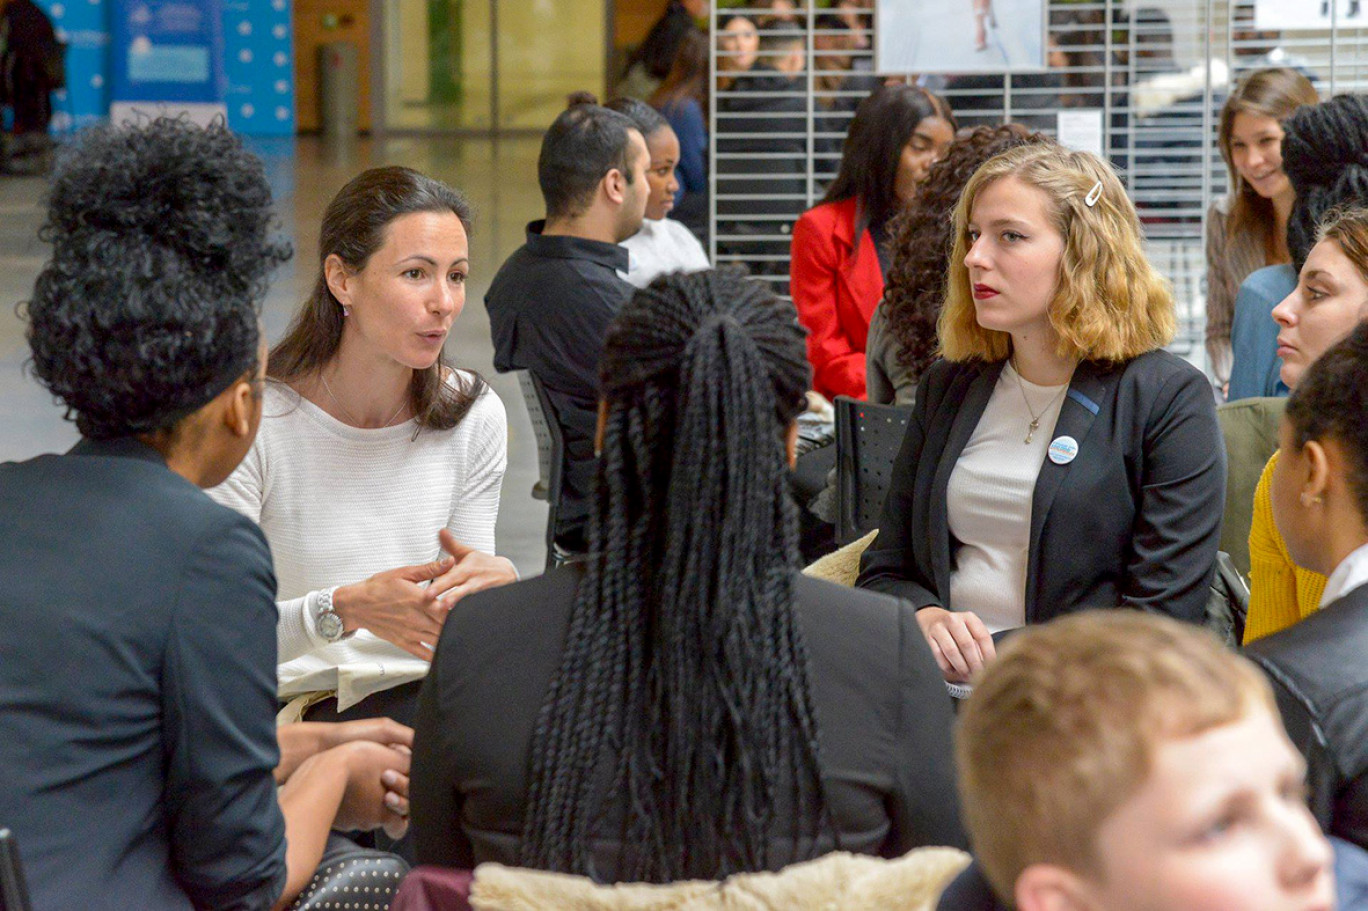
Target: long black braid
<point x="684" y="680"/>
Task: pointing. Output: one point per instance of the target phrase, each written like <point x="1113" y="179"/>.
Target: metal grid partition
<point x="1151" y="74"/>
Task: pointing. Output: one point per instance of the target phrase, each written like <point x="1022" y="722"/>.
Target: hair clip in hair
<point x="1093" y="195"/>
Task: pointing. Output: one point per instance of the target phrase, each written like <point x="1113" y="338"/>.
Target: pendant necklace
<point x="1035" y="418"/>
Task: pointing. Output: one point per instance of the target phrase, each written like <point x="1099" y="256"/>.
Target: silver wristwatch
<point x="327" y="622"/>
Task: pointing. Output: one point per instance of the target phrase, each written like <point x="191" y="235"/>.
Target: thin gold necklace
<point x="1035" y="418"/>
<point x="353" y="421"/>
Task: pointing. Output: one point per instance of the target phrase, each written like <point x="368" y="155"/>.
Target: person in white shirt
<point x="376" y="474"/>
<point x="662" y="245"/>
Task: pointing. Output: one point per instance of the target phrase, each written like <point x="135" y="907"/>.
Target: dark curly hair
<point x="149" y="305"/>
<point x="683" y="691"/>
<point x="1325" y="155"/>
<point x="921" y="238"/>
<point x="1330" y="402"/>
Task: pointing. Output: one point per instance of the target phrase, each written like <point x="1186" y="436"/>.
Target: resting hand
<point x="397" y="607"/>
<point x="377" y="787"/>
<point x="384" y="731"/>
<point x="474" y="571"/>
<point x="959" y="640"/>
<point x="304" y="739"/>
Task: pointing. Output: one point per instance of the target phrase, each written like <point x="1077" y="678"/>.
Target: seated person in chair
<point x="1319" y="666"/>
<point x="683" y="703"/>
<point x="551" y="301"/>
<point x="137" y="667"/>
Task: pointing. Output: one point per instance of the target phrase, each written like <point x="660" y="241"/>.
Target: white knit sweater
<point x="339" y="504"/>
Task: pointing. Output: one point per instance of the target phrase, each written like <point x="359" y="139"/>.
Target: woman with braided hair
<point x="684" y="704"/>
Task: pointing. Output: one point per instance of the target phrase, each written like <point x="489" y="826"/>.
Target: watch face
<point x="330" y="626"/>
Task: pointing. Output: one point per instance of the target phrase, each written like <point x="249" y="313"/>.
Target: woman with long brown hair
<point x="372" y="449"/>
<point x="839" y="251"/>
<point x="1247" y="229"/>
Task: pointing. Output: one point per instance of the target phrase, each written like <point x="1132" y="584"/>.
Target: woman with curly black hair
<point x="902" y="332"/>
<point x="137" y="669"/>
<point x="684" y="703"/>
<point x="373" y="450"/>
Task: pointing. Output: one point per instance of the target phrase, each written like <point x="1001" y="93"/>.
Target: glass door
<point x="455" y="65"/>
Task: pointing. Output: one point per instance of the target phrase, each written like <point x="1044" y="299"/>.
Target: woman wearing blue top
<point x="1322" y="151"/>
<point x="682" y="99"/>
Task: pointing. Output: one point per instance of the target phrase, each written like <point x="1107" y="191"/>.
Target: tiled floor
<point x="499" y="177"/>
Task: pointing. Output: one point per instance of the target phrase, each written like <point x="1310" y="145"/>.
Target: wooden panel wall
<point x="311" y="21"/>
<point x="634" y="19"/>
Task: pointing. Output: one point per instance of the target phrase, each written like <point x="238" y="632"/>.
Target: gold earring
<point x="1308" y="500"/>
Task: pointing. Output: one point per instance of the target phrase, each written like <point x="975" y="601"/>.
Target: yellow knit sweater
<point x="1280" y="592"/>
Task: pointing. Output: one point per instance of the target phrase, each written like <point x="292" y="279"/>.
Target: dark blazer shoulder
<point x="1159" y="364"/>
<point x="846" y="628"/>
<point x="942" y="374"/>
<point x="1321" y="657"/>
<point x="855" y="608"/>
<point x="530" y="608"/>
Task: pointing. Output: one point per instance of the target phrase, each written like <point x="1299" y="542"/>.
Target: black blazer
<point x="882" y="709"/>
<point x="137" y="687"/>
<point x="1319" y="669"/>
<point x="1134" y="520"/>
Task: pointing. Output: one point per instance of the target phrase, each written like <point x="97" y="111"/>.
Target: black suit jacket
<point x="1319" y="669"/>
<point x="1132" y="521"/>
<point x="883" y="713"/>
<point x="137" y="687"/>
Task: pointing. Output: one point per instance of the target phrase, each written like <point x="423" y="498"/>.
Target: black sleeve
<point x="218" y="710"/>
<point x="1182" y="497"/>
<point x="1322" y="780"/>
<point x="435" y="803"/>
<point x="889" y="564"/>
<point x="924" y="807"/>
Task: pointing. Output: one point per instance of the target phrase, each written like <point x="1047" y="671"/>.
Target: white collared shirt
<point x="659" y="247"/>
<point x="1349" y="575"/>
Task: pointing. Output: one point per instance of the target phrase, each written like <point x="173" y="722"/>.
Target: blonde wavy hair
<point x="1110" y="303"/>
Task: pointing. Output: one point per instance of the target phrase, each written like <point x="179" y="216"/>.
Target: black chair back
<point x="868" y="438"/>
<point x="14" y="894"/>
<point x="550" y="459"/>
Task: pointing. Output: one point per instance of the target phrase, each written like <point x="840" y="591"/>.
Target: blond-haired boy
<point x="1117" y="760"/>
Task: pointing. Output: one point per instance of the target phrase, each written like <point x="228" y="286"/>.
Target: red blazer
<point x="836" y="284"/>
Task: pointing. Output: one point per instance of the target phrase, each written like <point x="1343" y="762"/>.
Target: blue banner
<point x="255" y="60"/>
<point x="260" y="59"/>
<point x="167" y="51"/>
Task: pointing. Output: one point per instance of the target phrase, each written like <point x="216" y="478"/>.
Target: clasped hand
<point x="959" y="641"/>
<point x="408" y="605"/>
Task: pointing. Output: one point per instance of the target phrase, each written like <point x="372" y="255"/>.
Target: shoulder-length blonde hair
<point x="1110" y="303"/>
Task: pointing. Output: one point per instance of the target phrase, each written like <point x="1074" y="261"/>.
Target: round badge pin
<point x="1063" y="450"/>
